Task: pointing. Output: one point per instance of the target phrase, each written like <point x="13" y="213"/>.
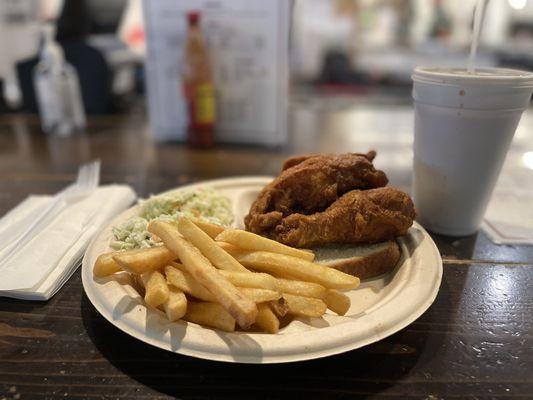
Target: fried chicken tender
<point x="309" y="184"/>
<point x="368" y="216"/>
<point x="295" y="160"/>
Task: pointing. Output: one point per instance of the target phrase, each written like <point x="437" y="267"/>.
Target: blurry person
<point x="18" y="32"/>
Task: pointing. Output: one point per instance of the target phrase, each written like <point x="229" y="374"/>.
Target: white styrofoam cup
<point x="464" y="124"/>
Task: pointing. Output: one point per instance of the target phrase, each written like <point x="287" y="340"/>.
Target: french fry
<point x="337" y="302"/>
<point x="260" y="295"/>
<point x="251" y="279"/>
<point x="251" y="241"/>
<point x="208" y="227"/>
<point x="240" y="307"/>
<point x="300" y="288"/>
<point x="279" y="307"/>
<point x="176" y="305"/>
<point x="266" y="319"/>
<point x="156" y="288"/>
<point x="309" y="251"/>
<point x="105" y="265"/>
<point x="210" y="314"/>
<point x="208" y="247"/>
<point x="299" y="269"/>
<point x="178" y="277"/>
<point x="265" y="281"/>
<point x="232" y="249"/>
<point x="305" y="306"/>
<point x="236" y="251"/>
<point x="140" y="261"/>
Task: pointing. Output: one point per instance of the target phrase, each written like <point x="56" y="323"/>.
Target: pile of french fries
<point x="228" y="278"/>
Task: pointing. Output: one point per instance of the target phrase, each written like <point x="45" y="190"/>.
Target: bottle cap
<point x="193" y="17"/>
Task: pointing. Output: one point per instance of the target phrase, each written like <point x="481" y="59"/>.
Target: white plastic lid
<point x="482" y="76"/>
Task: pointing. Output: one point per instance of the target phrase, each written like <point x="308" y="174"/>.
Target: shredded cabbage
<point x="206" y="204"/>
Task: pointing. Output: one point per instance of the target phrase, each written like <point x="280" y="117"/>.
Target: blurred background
<point x="267" y="58"/>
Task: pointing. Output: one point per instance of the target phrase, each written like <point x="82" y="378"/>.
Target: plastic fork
<point x="86" y="182"/>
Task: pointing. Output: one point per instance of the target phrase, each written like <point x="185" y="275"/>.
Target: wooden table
<point x="475" y="341"/>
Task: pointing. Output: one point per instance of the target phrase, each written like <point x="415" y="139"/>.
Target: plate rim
<point x="89" y="285"/>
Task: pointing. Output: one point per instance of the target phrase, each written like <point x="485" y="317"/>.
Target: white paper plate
<point x="380" y="307"/>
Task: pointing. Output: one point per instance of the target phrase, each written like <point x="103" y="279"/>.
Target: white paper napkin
<point x="509" y="217"/>
<point x="39" y="269"/>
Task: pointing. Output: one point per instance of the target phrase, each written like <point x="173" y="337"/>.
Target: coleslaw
<point x="206" y="204"/>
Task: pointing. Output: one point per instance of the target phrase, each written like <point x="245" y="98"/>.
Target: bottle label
<point x="205" y="104"/>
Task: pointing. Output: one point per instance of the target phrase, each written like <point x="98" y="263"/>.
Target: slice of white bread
<point x="363" y="261"/>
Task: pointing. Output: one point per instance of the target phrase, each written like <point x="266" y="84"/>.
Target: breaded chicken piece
<point x="295" y="160"/>
<point x="310" y="184"/>
<point x="368" y="216"/>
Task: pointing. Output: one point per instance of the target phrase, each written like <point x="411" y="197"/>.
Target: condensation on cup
<point x="464" y="124"/>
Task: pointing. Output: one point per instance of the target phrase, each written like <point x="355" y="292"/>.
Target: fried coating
<point x="368" y="216"/>
<point x="309" y="184"/>
<point x="295" y="160"/>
